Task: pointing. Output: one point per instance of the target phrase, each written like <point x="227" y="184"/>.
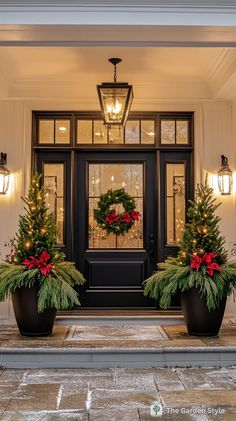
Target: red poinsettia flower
<point x="208" y="257"/>
<point x="211" y="267"/>
<point x="40" y="263"/>
<point x="45" y="256"/>
<point x="196" y="262"/>
<point x="46" y="269"/>
<point x="111" y="218"/>
<point x="126" y="218"/>
<point x="207" y="260"/>
<point x="29" y="263"/>
<point x="135" y="215"/>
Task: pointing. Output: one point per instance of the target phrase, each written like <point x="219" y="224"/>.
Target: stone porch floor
<point x="118" y="346"/>
<point x="118" y="394"/>
<point x="118" y="337"/>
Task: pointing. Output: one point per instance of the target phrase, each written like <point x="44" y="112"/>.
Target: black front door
<point x="115" y="266"/>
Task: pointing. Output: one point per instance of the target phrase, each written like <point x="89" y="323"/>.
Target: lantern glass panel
<point x="4" y="180"/>
<point x="114" y="103"/>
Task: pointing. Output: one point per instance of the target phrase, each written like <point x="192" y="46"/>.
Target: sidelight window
<point x="54" y="185"/>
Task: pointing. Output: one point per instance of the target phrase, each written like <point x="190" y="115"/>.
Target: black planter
<point x="29" y="321"/>
<point x="199" y="320"/>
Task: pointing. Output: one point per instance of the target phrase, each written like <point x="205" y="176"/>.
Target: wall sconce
<point x="115" y="99"/>
<point x="4" y="174"/>
<point x="225" y="177"/>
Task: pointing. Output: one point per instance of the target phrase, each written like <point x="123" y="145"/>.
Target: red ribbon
<point x="207" y="260"/>
<point x="40" y="263"/>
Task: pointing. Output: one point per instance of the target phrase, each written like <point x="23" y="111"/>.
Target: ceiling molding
<point x="222" y="71"/>
<point x="156" y="12"/>
<point x="118" y="3"/>
<point x="117" y="35"/>
<point x="189" y="87"/>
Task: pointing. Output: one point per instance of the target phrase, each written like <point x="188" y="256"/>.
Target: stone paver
<point x="35" y="396"/>
<point x="167" y="380"/>
<point x="199" y="397"/>
<point x="118" y="394"/>
<point x="203" y="378"/>
<point x="114" y="415"/>
<point x="44" y="416"/>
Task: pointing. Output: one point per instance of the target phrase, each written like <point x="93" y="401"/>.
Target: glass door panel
<point x="102" y="177"/>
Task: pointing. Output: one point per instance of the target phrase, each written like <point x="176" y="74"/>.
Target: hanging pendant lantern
<point x="115" y="99"/>
<point x="4" y="174"/>
<point x="225" y="177"/>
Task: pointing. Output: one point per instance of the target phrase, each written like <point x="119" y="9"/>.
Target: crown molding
<point x="117" y="35"/>
<point x="222" y="71"/>
<point x="156" y="12"/>
<point x="120" y="3"/>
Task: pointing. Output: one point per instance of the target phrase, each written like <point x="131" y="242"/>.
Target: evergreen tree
<point x="201" y="234"/>
<point x="37" y="231"/>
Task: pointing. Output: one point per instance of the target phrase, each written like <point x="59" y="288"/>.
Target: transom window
<point x="82" y="129"/>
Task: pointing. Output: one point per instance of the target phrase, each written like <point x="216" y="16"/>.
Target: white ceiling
<point x="155" y="72"/>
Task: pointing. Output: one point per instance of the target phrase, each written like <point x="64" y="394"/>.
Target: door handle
<point x="151" y="246"/>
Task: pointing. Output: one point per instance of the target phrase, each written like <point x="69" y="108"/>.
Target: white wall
<point x="213" y="137"/>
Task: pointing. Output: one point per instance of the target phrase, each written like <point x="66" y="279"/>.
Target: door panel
<point x="115" y="266"/>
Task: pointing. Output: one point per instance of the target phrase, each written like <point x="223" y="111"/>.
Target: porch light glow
<point x="4" y="174"/>
<point x="225" y="177"/>
<point x="115" y="99"/>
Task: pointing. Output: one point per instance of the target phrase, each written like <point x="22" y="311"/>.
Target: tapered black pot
<point x="29" y="321"/>
<point x="199" y="320"/>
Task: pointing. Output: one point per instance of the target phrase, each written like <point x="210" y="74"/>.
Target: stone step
<point x="107" y="320"/>
<point x="124" y="345"/>
<point x="109" y="358"/>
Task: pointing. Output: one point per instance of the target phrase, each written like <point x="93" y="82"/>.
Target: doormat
<point x="116" y="333"/>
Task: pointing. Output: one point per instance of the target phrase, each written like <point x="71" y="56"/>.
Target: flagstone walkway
<point x="118" y="394"/>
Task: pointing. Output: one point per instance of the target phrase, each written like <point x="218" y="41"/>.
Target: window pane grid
<point x="136" y="132"/>
<point x="54" y="131"/>
<point x="175" y="131"/>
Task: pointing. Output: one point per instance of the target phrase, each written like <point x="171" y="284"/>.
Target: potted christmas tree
<point x="200" y="273"/>
<point x="36" y="275"/>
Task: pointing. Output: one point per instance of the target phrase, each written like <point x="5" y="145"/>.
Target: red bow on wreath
<point x="40" y="263"/>
<point x="207" y="260"/>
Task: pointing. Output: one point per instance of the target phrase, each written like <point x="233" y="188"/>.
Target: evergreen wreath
<point x="108" y="219"/>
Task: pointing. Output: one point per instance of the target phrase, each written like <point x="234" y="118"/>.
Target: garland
<point x="108" y="219"/>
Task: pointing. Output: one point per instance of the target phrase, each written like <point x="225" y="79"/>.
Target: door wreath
<point x="111" y="221"/>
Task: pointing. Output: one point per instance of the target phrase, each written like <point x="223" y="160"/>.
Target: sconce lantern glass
<point x="225" y="177"/>
<point x="115" y="99"/>
<point x="4" y="174"/>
